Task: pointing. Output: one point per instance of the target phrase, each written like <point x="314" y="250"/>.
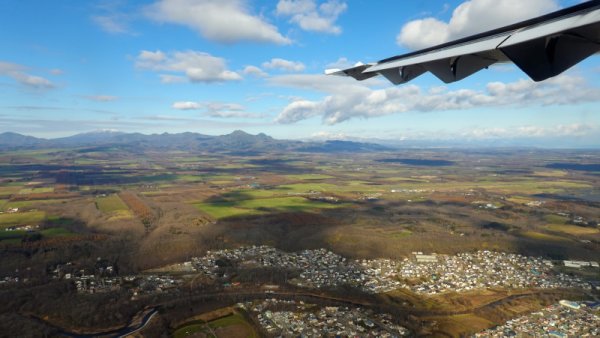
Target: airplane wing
<point x="541" y="47"/>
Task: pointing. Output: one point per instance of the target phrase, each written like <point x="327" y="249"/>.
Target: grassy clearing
<point x="56" y="232"/>
<point x="120" y="214"/>
<point x="221" y="182"/>
<point x="285" y="204"/>
<point x="572" y="229"/>
<point x="306" y="187"/>
<point x="112" y="203"/>
<point x="43" y="190"/>
<point x="458" y="325"/>
<point x="255" y="206"/>
<point x="233" y="324"/>
<point x="190" y="178"/>
<point x="17" y="204"/>
<point x="19" y="218"/>
<point x="519" y="199"/>
<point x="551" y="173"/>
<point x="223" y="210"/>
<point x="542" y="236"/>
<point x="400" y="234"/>
<point x="308" y="177"/>
<point x="189" y="330"/>
<point x="9" y="235"/>
<point x="17" y="235"/>
<point x="9" y="189"/>
<point x="556" y="219"/>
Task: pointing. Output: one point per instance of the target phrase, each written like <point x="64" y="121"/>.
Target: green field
<point x="572" y="229"/>
<point x="56" y="232"/>
<point x="16" y="236"/>
<point x="303" y="177"/>
<point x="556" y="219"/>
<point x="43" y="190"/>
<point x="542" y="236"/>
<point x="17" y="204"/>
<point x="245" y="207"/>
<point x="21" y="218"/>
<point x="111" y="203"/>
<point x="244" y="329"/>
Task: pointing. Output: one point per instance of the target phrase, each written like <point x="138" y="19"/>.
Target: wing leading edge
<point x="542" y="47"/>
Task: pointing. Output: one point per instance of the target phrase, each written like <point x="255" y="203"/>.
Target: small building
<point x="426" y="258"/>
<point x="570" y="304"/>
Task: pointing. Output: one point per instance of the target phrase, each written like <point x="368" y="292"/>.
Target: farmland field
<point x="21" y="218"/>
<point x="572" y="229"/>
<point x="111" y="203"/>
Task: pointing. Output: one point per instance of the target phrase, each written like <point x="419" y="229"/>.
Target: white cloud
<point x="195" y="66"/>
<point x="226" y="21"/>
<point x="341" y="63"/>
<point x="530" y="131"/>
<point x="56" y="71"/>
<point x="254" y="71"/>
<point x="217" y="109"/>
<point x="112" y="23"/>
<point x="326" y="135"/>
<point x="166" y="78"/>
<point x="112" y="18"/>
<point x="310" y="17"/>
<point x="347" y="100"/>
<point x="470" y="17"/>
<point x="17" y="73"/>
<point x="186" y="105"/>
<point x="286" y="65"/>
<point x="101" y="98"/>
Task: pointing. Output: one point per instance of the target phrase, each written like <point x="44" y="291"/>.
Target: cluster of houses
<point x="424" y="274"/>
<point x="22" y="228"/>
<point x="104" y="279"/>
<point x="9" y="280"/>
<point x="432" y="274"/>
<point x="565" y="319"/>
<point x="286" y="318"/>
<point x="317" y="268"/>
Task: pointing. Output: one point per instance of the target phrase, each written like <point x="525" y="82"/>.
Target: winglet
<point x="357" y="72"/>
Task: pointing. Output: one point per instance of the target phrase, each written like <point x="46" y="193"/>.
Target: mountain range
<point x="236" y="142"/>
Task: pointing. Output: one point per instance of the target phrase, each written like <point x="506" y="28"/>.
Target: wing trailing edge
<point x="541" y="47"/>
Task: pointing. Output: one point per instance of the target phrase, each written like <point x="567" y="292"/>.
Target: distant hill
<point x="14" y="140"/>
<point x="337" y="146"/>
<point x="238" y="142"/>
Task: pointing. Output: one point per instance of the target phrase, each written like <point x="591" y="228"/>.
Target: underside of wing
<point x="542" y="47"/>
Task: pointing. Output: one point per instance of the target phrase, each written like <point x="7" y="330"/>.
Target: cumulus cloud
<point x="225" y="21"/>
<point x="217" y="109"/>
<point x="470" y="17"/>
<point x="186" y="105"/>
<point x="254" y="71"/>
<point x="18" y="73"/>
<point x="346" y="100"/>
<point x="195" y="66"/>
<point x="285" y="65"/>
<point x="310" y="17"/>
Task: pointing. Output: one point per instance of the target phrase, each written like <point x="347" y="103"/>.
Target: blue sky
<point x="214" y="66"/>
